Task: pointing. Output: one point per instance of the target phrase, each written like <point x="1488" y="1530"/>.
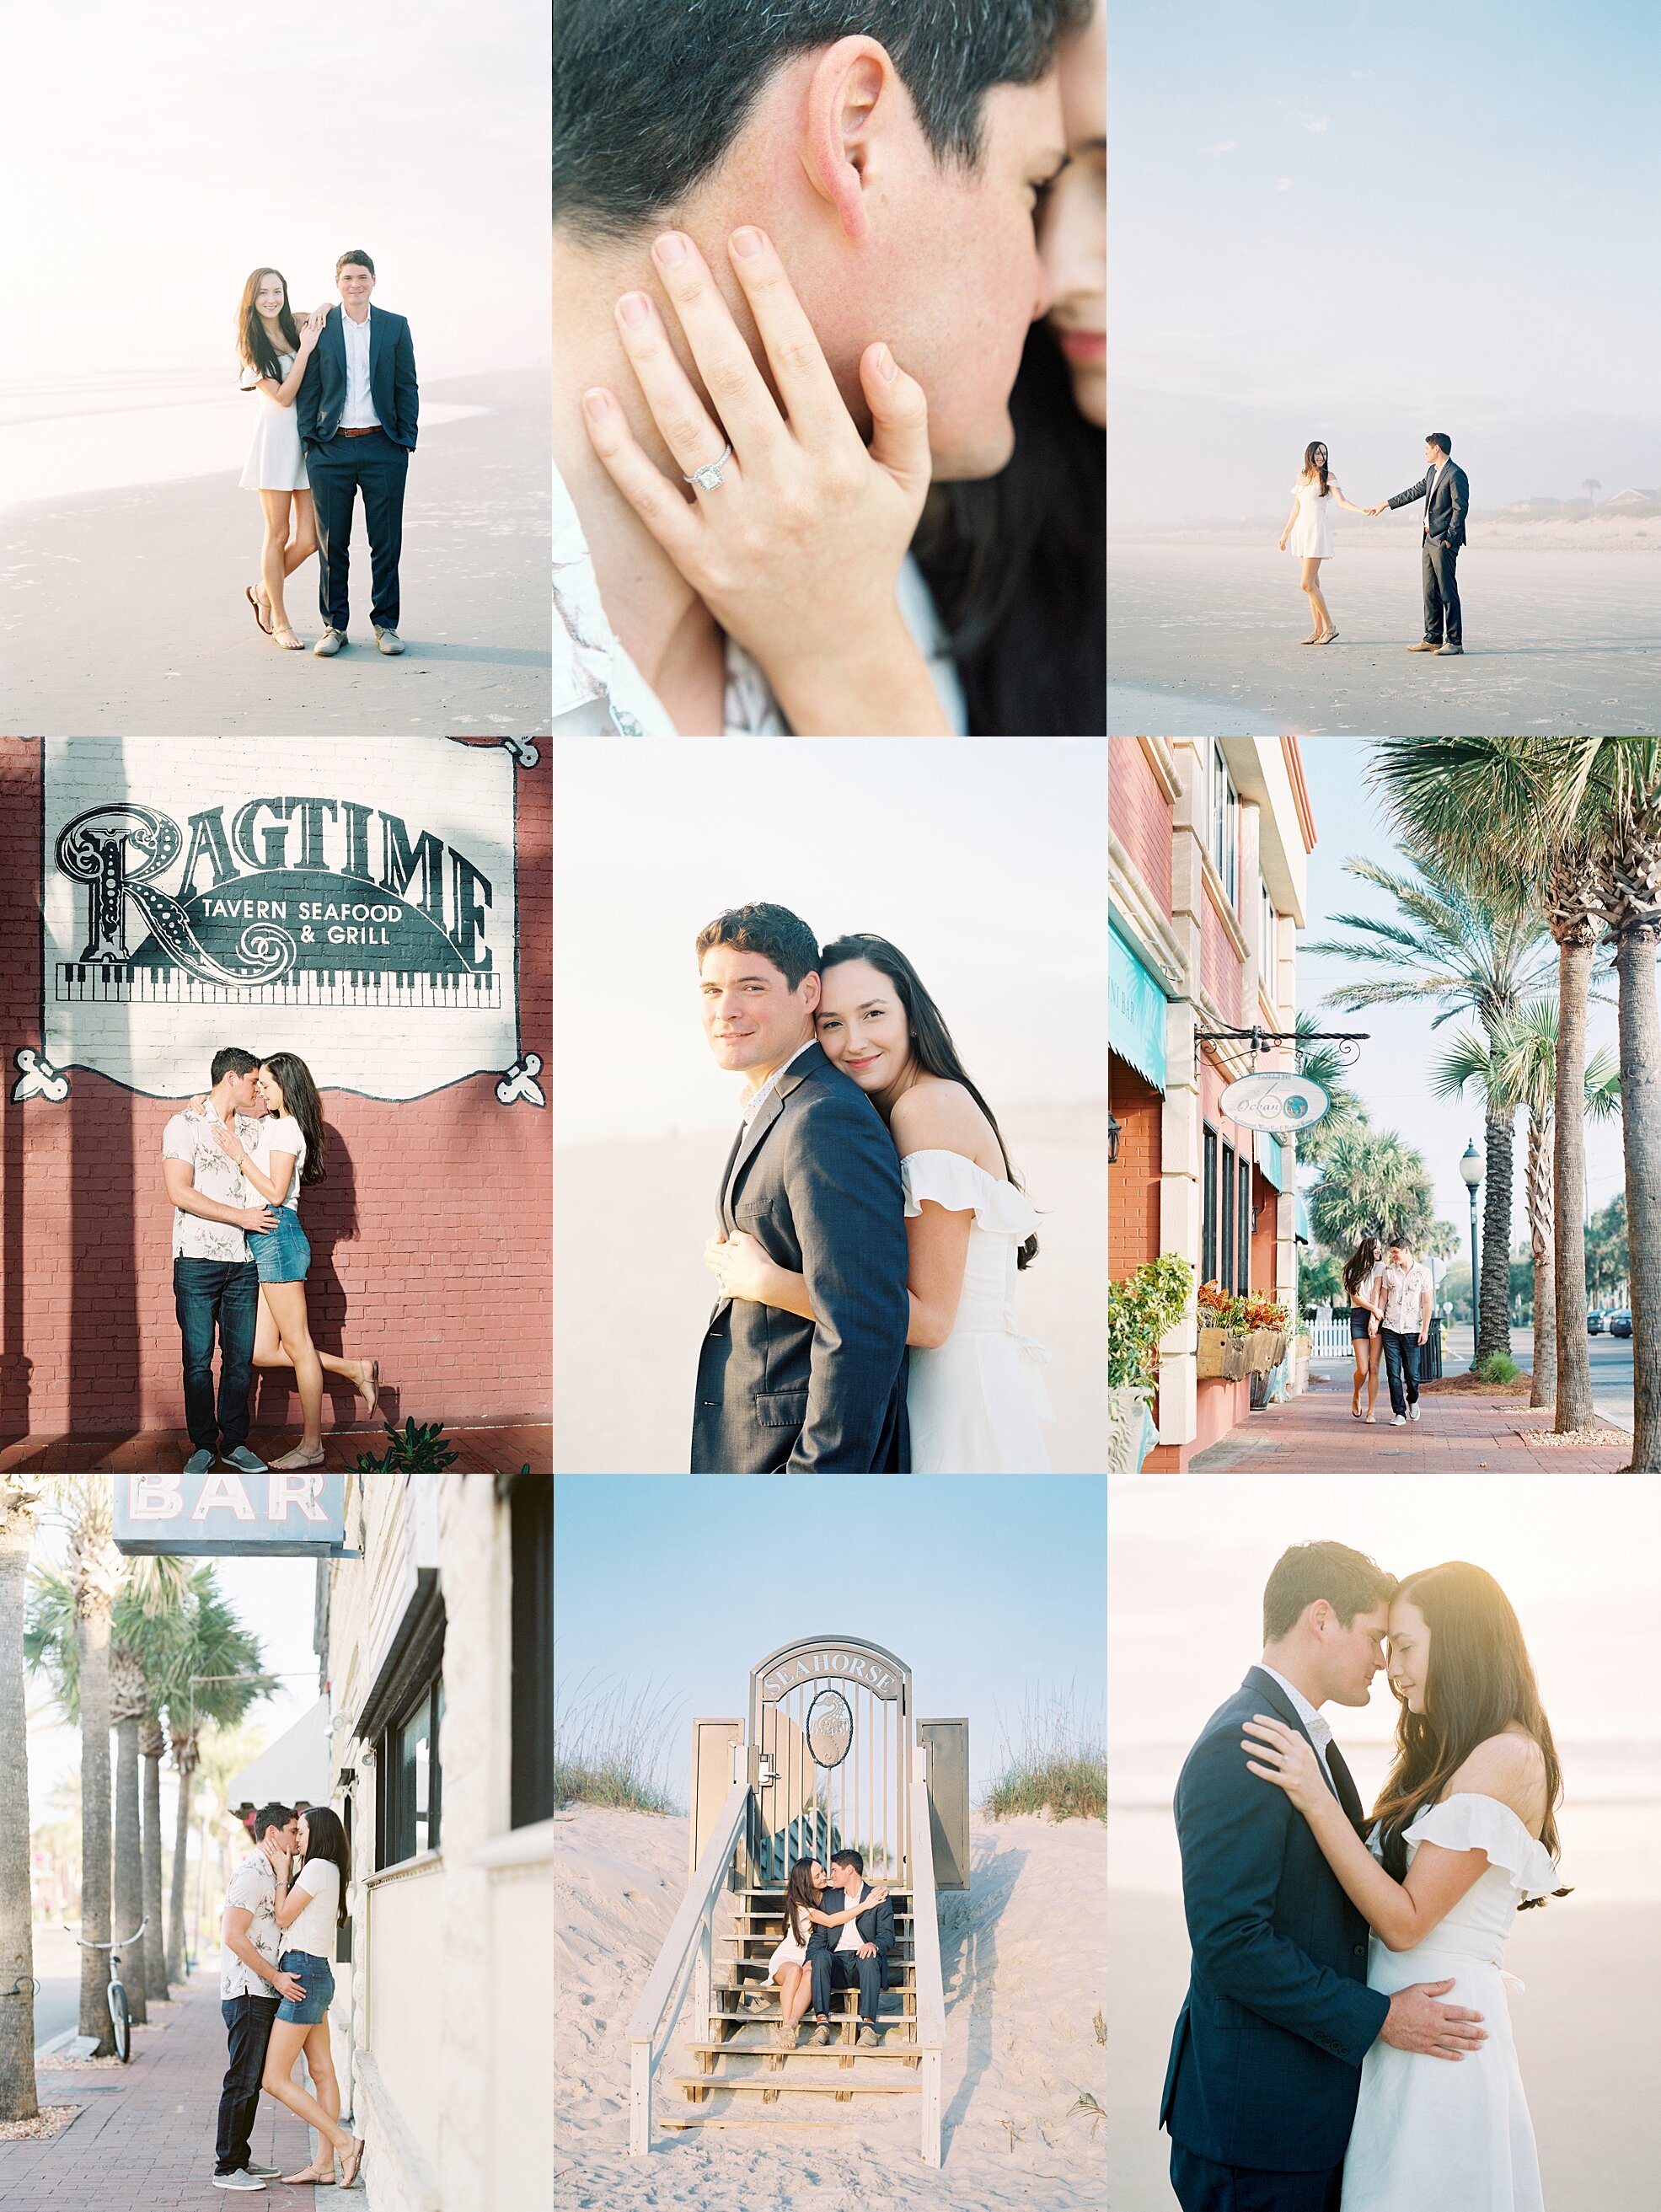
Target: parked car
<point x="1621" y="1324"/>
<point x="1595" y="1324"/>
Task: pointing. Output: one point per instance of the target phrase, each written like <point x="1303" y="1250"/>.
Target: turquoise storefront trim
<point x="1135" y="1015"/>
<point x="1306" y="1228"/>
<point x="1268" y="1159"/>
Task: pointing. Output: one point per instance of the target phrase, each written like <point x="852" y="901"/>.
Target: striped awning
<point x="1135" y="1010"/>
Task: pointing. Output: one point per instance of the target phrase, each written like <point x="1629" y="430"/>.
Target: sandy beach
<point x="122" y="613"/>
<point x="632" y="1296"/>
<point x="1024" y="1964"/>
<point x="1555" y="640"/>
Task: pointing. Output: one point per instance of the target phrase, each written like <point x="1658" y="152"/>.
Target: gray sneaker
<point x="198" y="1462"/>
<point x="241" y="2180"/>
<point x="389" y="641"/>
<point x="264" y="2173"/>
<point x="329" y="644"/>
<point x="244" y="1459"/>
<point x="1413" y="1410"/>
<point x="821" y="2034"/>
<point x="869" y="2039"/>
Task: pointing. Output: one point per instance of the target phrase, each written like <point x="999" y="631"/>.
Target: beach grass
<point x="1055" y="1761"/>
<point x="613" y="1745"/>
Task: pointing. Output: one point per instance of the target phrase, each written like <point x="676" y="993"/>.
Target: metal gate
<point x="831" y="1737"/>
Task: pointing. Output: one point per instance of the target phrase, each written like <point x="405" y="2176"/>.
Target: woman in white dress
<point x="1462" y="1838"/>
<point x="787" y="1967"/>
<point x="274" y="352"/>
<point x="974" y="1398"/>
<point x="1308" y="533"/>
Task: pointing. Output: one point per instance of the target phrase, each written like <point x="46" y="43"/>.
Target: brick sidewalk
<point x="1457" y="1433"/>
<point x="479" y="1450"/>
<point x="144" y="2135"/>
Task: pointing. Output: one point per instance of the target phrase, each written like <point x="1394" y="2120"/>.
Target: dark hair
<point x="232" y="1061"/>
<point x="1018" y="565"/>
<point x="1440" y="438"/>
<point x="1480" y="1681"/>
<point x="1400" y="1236"/>
<point x="850" y="1858"/>
<point x="1360" y="1263"/>
<point x="253" y="346"/>
<point x="326" y="1840"/>
<point x="270" y="1816"/>
<point x="1316" y="446"/>
<point x="356" y="255"/>
<point x="799" y="1891"/>
<point x="299" y="1099"/>
<point x="647" y="99"/>
<point x="773" y="931"/>
<point x="1348" y="1581"/>
<point x="932" y="1048"/>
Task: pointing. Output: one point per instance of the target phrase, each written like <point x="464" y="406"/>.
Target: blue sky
<point x="1379" y="217"/>
<point x="992" y="1588"/>
<point x="1390" y="1074"/>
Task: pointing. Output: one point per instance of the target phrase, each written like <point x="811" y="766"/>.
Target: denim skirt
<point x="281" y="1254"/>
<point x="318" y="1975"/>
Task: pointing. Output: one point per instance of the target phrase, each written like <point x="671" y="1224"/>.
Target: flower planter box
<point x="1208" y="1354"/>
<point x="1130" y="1432"/>
<point x="1260" y="1350"/>
<point x="1237" y="1358"/>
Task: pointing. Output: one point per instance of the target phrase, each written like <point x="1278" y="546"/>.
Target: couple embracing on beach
<point x="338" y="406"/>
<point x="834" y="1939"/>
<point x="1345" y="2037"/>
<point x="235" y="1162"/>
<point x="868" y="1205"/>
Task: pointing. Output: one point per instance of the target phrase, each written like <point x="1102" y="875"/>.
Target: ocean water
<point x="92" y="433"/>
<point x="1177" y="715"/>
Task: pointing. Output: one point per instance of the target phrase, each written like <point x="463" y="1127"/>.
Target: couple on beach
<point x="1445" y="491"/>
<point x="283" y="1906"/>
<point x="235" y="1162"/>
<point x="867" y="1205"/>
<point x="830" y="452"/>
<point x="1390" y="1303"/>
<point x="808" y="1965"/>
<point x="337" y="406"/>
<point x="1346" y="2034"/>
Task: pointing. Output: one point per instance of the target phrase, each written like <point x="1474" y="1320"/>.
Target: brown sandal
<point x="324" y="2174"/>
<point x="253" y="599"/>
<point x="350" y="2163"/>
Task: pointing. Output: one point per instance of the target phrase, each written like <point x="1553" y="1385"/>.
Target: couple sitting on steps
<point x="833" y="1938"/>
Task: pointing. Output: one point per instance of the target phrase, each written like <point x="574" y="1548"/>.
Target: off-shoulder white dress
<point x="276" y="460"/>
<point x="975" y="1402"/>
<point x="1430" y="2137"/>
<point x="1311" y="536"/>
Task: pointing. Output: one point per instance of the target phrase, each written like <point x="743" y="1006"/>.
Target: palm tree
<point x="1371" y="1181"/>
<point x="1471" y="954"/>
<point x="1322" y="1064"/>
<point x="19" y="1496"/>
<point x="1522" y="1071"/>
<point x="1590" y="486"/>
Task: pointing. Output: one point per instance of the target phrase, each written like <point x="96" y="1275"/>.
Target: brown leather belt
<point x="369" y="433"/>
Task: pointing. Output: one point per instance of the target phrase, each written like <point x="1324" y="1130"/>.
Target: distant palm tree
<point x="19" y="1496"/>
<point x="1469" y="953"/>
<point x="1590" y="486"/>
<point x="1323" y="1064"/>
<point x="1371" y="1181"/>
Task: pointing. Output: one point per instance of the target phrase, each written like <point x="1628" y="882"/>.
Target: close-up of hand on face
<point x="1073" y="231"/>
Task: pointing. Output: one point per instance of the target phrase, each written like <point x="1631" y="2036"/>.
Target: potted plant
<point x="1141" y="1310"/>
<point x="1224" y="1330"/>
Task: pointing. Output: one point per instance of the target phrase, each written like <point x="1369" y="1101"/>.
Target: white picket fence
<point x="1329" y="1340"/>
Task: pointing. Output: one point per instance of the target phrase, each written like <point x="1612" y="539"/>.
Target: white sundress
<point x="1311" y="533"/>
<point x="275" y="461"/>
<point x="789" y="1953"/>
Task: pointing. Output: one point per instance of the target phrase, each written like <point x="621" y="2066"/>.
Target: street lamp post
<point x="1470" y="1169"/>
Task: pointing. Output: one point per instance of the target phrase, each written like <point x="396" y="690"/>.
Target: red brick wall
<point x="430" y="1238"/>
<point x="1140" y="815"/>
<point x="1133" y="1186"/>
<point x="1221" y="968"/>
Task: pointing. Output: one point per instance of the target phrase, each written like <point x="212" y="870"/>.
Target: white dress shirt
<point x="358" y="413"/>
<point x="1400" y="1293"/>
<point x="1314" y="1724"/>
<point x="850" y="1938"/>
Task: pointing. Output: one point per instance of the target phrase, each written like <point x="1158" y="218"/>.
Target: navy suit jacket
<point x="321" y="398"/>
<point x="1447" y="506"/>
<point x="816" y="1181"/>
<point x="876" y="1927"/>
<point x="1265" y="2064"/>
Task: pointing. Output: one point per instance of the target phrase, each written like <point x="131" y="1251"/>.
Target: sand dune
<point x="1023" y="1961"/>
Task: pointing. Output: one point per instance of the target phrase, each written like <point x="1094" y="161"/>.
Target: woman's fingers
<point x="899" y="416"/>
<point x="731" y="377"/>
<point x="793" y="352"/>
<point x="692" y="439"/>
<point x="671" y="521"/>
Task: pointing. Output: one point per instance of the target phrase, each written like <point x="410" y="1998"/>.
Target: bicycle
<point x="121" y="2018"/>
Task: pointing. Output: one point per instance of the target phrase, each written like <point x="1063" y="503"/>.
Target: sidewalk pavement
<point x="500" y="1450"/>
<point x="1458" y="1432"/>
<point x="144" y="2135"/>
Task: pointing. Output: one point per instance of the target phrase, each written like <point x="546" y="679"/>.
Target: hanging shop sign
<point x="268" y="1516"/>
<point x="1281" y="1104"/>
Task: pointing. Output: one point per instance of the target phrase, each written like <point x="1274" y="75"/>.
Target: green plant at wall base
<point x="1141" y="1310"/>
<point x="1497" y="1367"/>
<point x="419" y="1451"/>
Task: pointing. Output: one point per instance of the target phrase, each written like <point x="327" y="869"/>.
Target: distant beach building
<point x="1208" y="843"/>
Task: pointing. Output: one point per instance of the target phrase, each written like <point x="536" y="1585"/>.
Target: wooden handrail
<point x="926" y="1959"/>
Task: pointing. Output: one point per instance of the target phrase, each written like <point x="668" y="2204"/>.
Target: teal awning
<point x="1306" y="1228"/>
<point x="1135" y="1010"/>
<point x="1268" y="1159"/>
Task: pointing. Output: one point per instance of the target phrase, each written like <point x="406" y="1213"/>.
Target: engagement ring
<point x="709" y="477"/>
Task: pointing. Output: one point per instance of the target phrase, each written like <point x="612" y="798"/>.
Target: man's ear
<point x="811" y="988"/>
<point x="852" y="93"/>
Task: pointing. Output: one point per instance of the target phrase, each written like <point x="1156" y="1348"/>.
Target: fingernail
<point x="634" y="307"/>
<point x="887" y="367"/>
<point x="747" y="243"/>
<point x="670" y="250"/>
<point x="597" y="404"/>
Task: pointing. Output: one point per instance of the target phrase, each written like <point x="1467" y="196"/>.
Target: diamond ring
<point x="710" y="477"/>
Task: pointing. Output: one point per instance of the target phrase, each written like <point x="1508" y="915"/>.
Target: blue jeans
<point x="1402" y="1349"/>
<point x="248" y="2030"/>
<point x="225" y="1293"/>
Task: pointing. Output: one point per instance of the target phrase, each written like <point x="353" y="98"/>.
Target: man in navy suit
<point x="1445" y="490"/>
<point x="814" y="1178"/>
<point x="357" y="410"/>
<point x="1266" y="2061"/>
<point x="857" y="1952"/>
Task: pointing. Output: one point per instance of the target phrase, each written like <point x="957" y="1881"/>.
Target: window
<point x="1225" y="825"/>
<point x="1243" y="1272"/>
<point x="1228" y="1217"/>
<point x="1209" y="1210"/>
<point x="411" y="1792"/>
<point x="531" y="1541"/>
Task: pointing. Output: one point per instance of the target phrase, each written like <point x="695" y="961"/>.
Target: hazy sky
<point x="993" y="1595"/>
<point x="1392" y="1074"/>
<point x="1375" y="219"/>
<point x="150" y="157"/>
<point x="985" y="863"/>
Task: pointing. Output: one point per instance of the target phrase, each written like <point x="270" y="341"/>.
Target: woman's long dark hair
<point x="1316" y="446"/>
<point x="299" y="1100"/>
<point x="1360" y="1265"/>
<point x="1017" y="566"/>
<point x="932" y="1048"/>
<point x="326" y="1840"/>
<point x="253" y="347"/>
<point x="1479" y="1681"/>
<point x="799" y="1891"/>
